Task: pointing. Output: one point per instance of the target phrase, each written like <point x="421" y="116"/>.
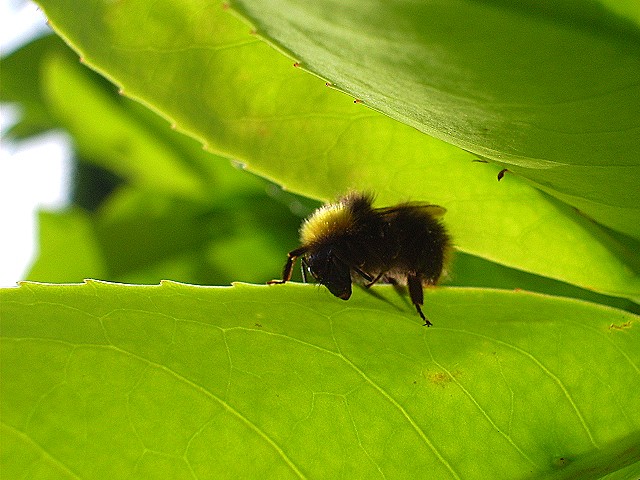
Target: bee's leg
<point x="365" y="275"/>
<point x="414" y="282"/>
<point x="355" y="268"/>
<point x="288" y="267"/>
<point x="375" y="280"/>
<point x="304" y="266"/>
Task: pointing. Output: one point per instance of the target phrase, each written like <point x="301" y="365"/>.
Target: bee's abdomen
<point x="415" y="243"/>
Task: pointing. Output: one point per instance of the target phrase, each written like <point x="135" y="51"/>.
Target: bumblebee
<point x="351" y="241"/>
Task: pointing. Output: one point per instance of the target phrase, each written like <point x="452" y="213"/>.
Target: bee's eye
<point x="316" y="264"/>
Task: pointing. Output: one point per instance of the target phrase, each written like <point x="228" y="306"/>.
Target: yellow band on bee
<point x="332" y="219"/>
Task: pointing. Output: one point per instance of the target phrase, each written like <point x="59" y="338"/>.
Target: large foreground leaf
<point x="175" y="381"/>
<point x="197" y="65"/>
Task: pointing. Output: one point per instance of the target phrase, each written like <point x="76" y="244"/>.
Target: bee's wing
<point x="433" y="210"/>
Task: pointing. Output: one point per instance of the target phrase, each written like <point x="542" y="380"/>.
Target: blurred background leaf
<point x="149" y="203"/>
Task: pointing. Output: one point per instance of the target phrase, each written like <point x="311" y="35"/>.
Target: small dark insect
<point x="351" y="241"/>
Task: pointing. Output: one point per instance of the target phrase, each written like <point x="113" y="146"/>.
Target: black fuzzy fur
<point x="403" y="244"/>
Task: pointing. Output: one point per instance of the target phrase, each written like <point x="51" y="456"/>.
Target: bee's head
<point x="330" y="271"/>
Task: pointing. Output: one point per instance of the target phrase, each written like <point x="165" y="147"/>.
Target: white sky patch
<point x="20" y="22"/>
<point x="34" y="174"/>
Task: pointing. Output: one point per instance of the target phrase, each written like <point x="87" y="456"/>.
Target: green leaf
<point x="141" y="237"/>
<point x="470" y="271"/>
<point x="71" y="251"/>
<point x="198" y="66"/>
<point x="105" y="130"/>
<point x="21" y="85"/>
<point x="183" y="214"/>
<point x="551" y="90"/>
<point x="282" y="381"/>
